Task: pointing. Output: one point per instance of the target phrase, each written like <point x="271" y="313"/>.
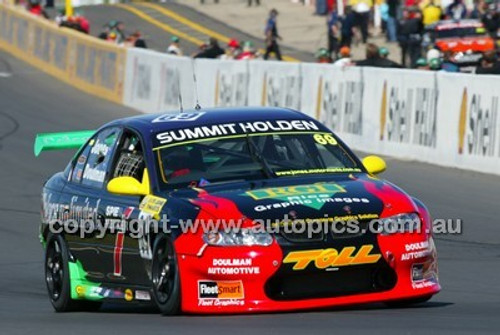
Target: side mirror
<point x="374" y="164"/>
<point x="129" y="185"/>
<point x="126" y="186"/>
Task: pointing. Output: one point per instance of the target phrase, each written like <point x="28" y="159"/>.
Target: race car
<point x="229" y="210"/>
<point x="467" y="40"/>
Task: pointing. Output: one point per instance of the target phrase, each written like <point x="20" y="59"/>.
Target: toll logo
<point x="326" y="258"/>
<point x="209" y="289"/>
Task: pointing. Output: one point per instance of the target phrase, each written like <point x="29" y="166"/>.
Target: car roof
<point x="153" y="123"/>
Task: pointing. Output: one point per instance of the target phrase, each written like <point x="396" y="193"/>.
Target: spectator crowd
<point x="407" y="24"/>
<point x="404" y="23"/>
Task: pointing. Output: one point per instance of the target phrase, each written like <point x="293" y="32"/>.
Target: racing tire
<point x="166" y="286"/>
<point x="408" y="302"/>
<point x="57" y="278"/>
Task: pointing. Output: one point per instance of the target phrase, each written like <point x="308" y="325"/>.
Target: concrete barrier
<point x="82" y="61"/>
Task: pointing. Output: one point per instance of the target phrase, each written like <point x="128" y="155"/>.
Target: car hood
<point x="342" y="197"/>
<point x="475" y="44"/>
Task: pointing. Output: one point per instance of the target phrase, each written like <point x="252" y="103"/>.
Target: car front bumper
<point x="238" y="279"/>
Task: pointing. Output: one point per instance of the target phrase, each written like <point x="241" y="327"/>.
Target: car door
<point x="122" y="252"/>
<point x="83" y="195"/>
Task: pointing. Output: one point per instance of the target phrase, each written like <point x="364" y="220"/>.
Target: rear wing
<point x="60" y="141"/>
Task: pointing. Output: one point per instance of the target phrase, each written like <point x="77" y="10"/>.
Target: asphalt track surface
<point x="32" y="102"/>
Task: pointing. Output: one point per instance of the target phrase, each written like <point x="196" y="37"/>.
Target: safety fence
<point x="435" y="117"/>
<point x="91" y="65"/>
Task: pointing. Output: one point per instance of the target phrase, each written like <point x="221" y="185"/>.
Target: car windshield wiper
<point x="257" y="156"/>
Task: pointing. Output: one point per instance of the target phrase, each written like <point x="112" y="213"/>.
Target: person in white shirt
<point x="174" y="47"/>
<point x="345" y="57"/>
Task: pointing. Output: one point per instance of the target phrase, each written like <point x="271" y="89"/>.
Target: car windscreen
<point x="461" y="32"/>
<point x="251" y="156"/>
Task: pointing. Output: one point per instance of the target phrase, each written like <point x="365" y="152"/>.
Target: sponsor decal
<point x="77" y="175"/>
<point x="171" y="93"/>
<point x="332" y="258"/>
<point x="298" y="190"/>
<point x="152" y="204"/>
<point x="220" y="293"/>
<point x="129" y="295"/>
<point x="416" y="250"/>
<point x="97" y="292"/>
<point x="417" y="246"/>
<point x="99" y="148"/>
<point x="478" y="124"/>
<point x="77" y="209"/>
<point x="355" y="217"/>
<point x="142" y="295"/>
<point x="231" y="89"/>
<point x="313" y="196"/>
<point x="233" y="266"/>
<point x="113" y="211"/>
<point x="323" y="220"/>
<point x="282" y="91"/>
<point x="109" y="293"/>
<point x="313" y="201"/>
<point x="315" y="171"/>
<point x="409" y="116"/>
<point x="80" y="291"/>
<point x="143" y="74"/>
<point x="421" y="285"/>
<point x="94" y="174"/>
<point x="91" y="292"/>
<point x="150" y="207"/>
<point x="226" y="129"/>
<point x="340" y="106"/>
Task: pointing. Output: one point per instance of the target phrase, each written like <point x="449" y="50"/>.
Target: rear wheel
<point x="408" y="302"/>
<point x="57" y="278"/>
<point x="165" y="276"/>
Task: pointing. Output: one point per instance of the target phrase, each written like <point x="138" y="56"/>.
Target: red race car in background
<point x="467" y="40"/>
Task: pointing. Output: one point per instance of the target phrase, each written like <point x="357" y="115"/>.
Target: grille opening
<point x="343" y="281"/>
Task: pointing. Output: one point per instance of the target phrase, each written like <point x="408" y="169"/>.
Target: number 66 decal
<point x="325" y="139"/>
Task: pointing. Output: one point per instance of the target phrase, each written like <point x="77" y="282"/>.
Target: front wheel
<point x="58" y="280"/>
<point x="165" y="276"/>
